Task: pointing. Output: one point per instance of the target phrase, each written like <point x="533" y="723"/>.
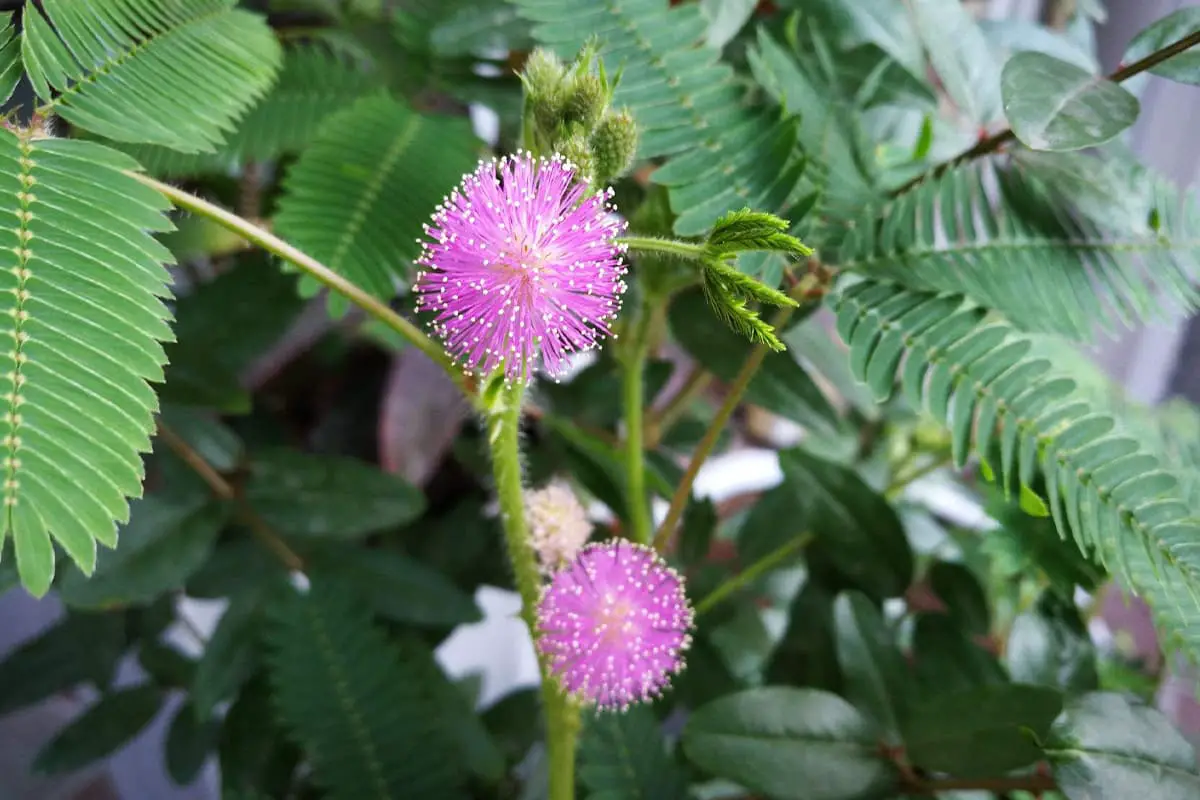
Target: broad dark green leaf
<point x="791" y="744"/>
<point x="623" y="757"/>
<point x="231" y="656"/>
<point x="947" y="660"/>
<point x="875" y="677"/>
<point x="234" y="566"/>
<point x="965" y="600"/>
<point x="195" y="376"/>
<point x="213" y="441"/>
<point x="780" y="385"/>
<point x="981" y="732"/>
<point x="168" y="667"/>
<point x="780" y="515"/>
<point x="161" y="546"/>
<point x="699" y="525"/>
<point x="1184" y="67"/>
<point x="1106" y="745"/>
<point x="515" y="722"/>
<point x="103" y="729"/>
<point x="328" y="496"/>
<point x="1053" y="105"/>
<point x="1050" y="645"/>
<point x="189" y="741"/>
<point x="807" y="654"/>
<point x="82" y="647"/>
<point x="396" y="586"/>
<point x="961" y="57"/>
<point x="853" y="524"/>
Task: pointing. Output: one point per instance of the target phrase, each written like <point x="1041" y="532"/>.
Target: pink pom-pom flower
<point x="522" y="265"/>
<point x="614" y="625"/>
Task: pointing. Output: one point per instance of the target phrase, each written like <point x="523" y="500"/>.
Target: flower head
<point x="522" y="265"/>
<point x="558" y="524"/>
<point x="615" y="624"/>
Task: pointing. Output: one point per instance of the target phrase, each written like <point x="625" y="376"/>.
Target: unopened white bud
<point x="558" y="524"/>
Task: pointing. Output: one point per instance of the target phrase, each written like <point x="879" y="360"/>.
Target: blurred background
<point x="1153" y="364"/>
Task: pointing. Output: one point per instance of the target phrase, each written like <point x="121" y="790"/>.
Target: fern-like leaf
<point x="360" y="706"/>
<point x="81" y="293"/>
<point x="358" y="196"/>
<point x="1106" y="489"/>
<point x="174" y="74"/>
<point x="312" y="85"/>
<point x="1022" y="251"/>
<point x="724" y="156"/>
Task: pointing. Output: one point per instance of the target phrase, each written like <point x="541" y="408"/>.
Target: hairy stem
<point x="220" y="487"/>
<point x="273" y="244"/>
<point x="669" y="247"/>
<point x="753" y="572"/>
<point x="633" y="371"/>
<point x="994" y="142"/>
<point x="562" y="716"/>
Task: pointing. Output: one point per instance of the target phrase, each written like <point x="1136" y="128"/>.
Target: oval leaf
<point x="874" y="674"/>
<point x="1050" y="645"/>
<point x="101" y="730"/>
<point x="1056" y="106"/>
<point x="1000" y="732"/>
<point x="1184" y="67"/>
<point x="792" y="744"/>
<point x="622" y="757"/>
<point x="1105" y="744"/>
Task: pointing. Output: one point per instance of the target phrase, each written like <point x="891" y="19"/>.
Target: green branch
<point x="668" y="247"/>
<point x="273" y="244"/>
<point x="633" y="370"/>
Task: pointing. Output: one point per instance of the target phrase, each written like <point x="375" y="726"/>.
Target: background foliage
<point x="975" y="216"/>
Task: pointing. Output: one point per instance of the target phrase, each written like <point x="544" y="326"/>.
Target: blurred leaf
<point x="234" y="566"/>
<point x="1107" y="191"/>
<point x="161" y="545"/>
<point x="1028" y="546"/>
<point x="396" y="586"/>
<point x="168" y="667"/>
<point x="9" y="577"/>
<point x="212" y="440"/>
<point x="961" y="57"/>
<point x="854" y="526"/>
<point x="792" y="744"/>
<point x="781" y="385"/>
<point x="480" y="27"/>
<point x="327" y="496"/>
<point x="623" y="757"/>
<point x="1020" y="35"/>
<point x="82" y="647"/>
<point x="231" y="655"/>
<point x="1105" y="745"/>
<point x="195" y="376"/>
<point x="875" y="677"/>
<point x="725" y="19"/>
<point x="421" y="413"/>
<point x="964" y="597"/>
<point x="253" y="751"/>
<point x="515" y="722"/>
<point x="106" y="727"/>
<point x="1050" y="645"/>
<point x="1184" y="67"/>
<point x="983" y="731"/>
<point x="188" y="744"/>
<point x="947" y="660"/>
<point x="807" y="653"/>
<point x="699" y="525"/>
<point x="1056" y="106"/>
<point x="588" y="399"/>
<point x="881" y="22"/>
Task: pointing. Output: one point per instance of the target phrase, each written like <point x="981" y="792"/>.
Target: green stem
<point x="671" y="247"/>
<point x="562" y="715"/>
<point x="753" y="572"/>
<point x="633" y="372"/>
<point x="900" y="481"/>
<point x="273" y="244"/>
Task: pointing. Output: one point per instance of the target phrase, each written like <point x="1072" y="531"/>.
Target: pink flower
<point x="614" y="624"/>
<point x="522" y="265"/>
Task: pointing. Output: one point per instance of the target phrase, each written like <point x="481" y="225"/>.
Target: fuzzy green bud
<point x="543" y="77"/>
<point x="576" y="150"/>
<point x="587" y="100"/>
<point x="614" y="144"/>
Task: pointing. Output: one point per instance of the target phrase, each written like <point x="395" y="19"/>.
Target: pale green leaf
<point x="1184" y="67"/>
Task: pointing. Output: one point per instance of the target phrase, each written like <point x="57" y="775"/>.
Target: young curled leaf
<point x="745" y="230"/>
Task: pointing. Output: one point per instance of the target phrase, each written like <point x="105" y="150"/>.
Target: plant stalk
<point x="669" y="247"/>
<point x="562" y="715"/>
<point x="633" y="369"/>
<point x="753" y="572"/>
<point x="273" y="244"/>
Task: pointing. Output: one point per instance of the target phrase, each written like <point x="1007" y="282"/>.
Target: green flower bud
<point x="587" y="100"/>
<point x="543" y="78"/>
<point x="576" y="150"/>
<point x="614" y="144"/>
